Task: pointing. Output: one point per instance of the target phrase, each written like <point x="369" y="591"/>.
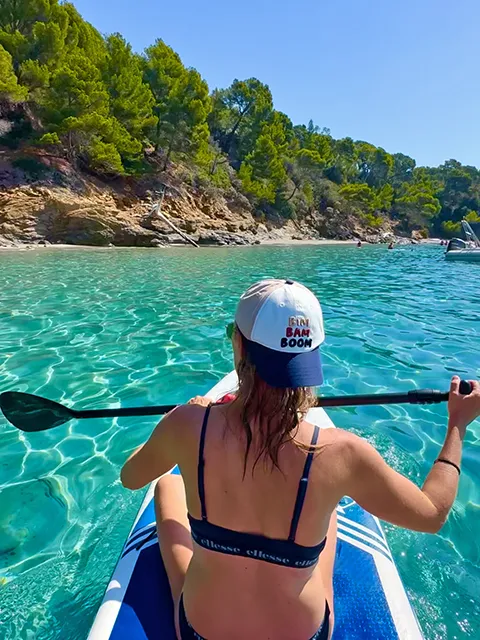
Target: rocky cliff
<point x="59" y="205"/>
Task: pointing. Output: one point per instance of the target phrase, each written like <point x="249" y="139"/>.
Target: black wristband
<point x="445" y="461"/>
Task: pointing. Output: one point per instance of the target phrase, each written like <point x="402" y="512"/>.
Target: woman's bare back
<point x="265" y="599"/>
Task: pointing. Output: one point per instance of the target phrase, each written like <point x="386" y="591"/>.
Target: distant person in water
<point x="359" y="243"/>
<point x="390" y="246"/>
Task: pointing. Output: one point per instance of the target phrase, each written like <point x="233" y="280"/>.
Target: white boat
<point x="467" y="250"/>
<point x="370" y="599"/>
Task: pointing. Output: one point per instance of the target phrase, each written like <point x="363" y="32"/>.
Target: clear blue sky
<point x="402" y="74"/>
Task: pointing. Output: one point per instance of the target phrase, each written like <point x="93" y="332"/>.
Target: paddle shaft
<point x="420" y="396"/>
<point x="32" y="413"/>
<point x="123" y="412"/>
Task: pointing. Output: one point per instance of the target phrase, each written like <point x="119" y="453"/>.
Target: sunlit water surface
<point x="97" y="328"/>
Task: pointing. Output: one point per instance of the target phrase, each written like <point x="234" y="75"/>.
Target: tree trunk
<point x="235" y="127"/>
<point x="169" y="152"/>
<point x="216" y="162"/>
<point x="157" y="137"/>
<point x="71" y="150"/>
<point x="294" y="192"/>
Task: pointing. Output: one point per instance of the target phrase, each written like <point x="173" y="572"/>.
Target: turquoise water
<point x="101" y="327"/>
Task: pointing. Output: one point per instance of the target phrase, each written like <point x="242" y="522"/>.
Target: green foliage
<point x="372" y="221"/>
<point x="238" y="115"/>
<point x="100" y="142"/>
<point x="403" y="168"/>
<point x="310" y="160"/>
<point x="472" y="217"/>
<point x="368" y="201"/>
<point x="344" y="163"/>
<point x="9" y="87"/>
<point x="16" y="44"/>
<point x="304" y="170"/>
<point x="384" y="198"/>
<point x="263" y="172"/>
<point x="36" y="77"/>
<point x="220" y="179"/>
<point x="47" y="32"/>
<point x="308" y="194"/>
<point x="131" y="100"/>
<point x="109" y="110"/>
<point x="18" y="22"/>
<point x="375" y="165"/>
<point x="19" y="129"/>
<point x="451" y="229"/>
<point x="182" y="102"/>
<point x="360" y="194"/>
<point x="458" y="191"/>
<point x="76" y="105"/>
<point x="21" y="15"/>
<point x="76" y="89"/>
<point x="320" y="145"/>
<point x="49" y="140"/>
<point x="285" y="207"/>
<point x="417" y="204"/>
<point x="326" y="194"/>
<point x="104" y="156"/>
<point x="205" y="157"/>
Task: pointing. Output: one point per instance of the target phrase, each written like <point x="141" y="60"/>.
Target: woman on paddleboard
<point x="248" y="530"/>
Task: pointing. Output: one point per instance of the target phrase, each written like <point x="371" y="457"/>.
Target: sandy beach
<point x="271" y="242"/>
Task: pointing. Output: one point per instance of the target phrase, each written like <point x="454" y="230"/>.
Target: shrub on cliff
<point x="9" y="87"/>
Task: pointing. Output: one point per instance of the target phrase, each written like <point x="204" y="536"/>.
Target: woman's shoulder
<point x="353" y="453"/>
<point x="341" y="442"/>
<point x="186" y="417"/>
<point x="338" y="459"/>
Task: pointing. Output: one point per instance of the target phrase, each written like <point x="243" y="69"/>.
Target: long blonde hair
<point x="276" y="413"/>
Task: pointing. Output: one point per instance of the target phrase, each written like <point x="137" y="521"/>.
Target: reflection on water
<point x="130" y="327"/>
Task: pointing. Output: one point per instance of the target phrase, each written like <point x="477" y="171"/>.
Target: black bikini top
<point x="282" y="552"/>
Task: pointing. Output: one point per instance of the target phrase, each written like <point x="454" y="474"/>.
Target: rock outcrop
<point x="34" y="214"/>
<point x="68" y="207"/>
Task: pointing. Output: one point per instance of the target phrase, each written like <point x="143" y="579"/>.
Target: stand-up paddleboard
<point x="370" y="600"/>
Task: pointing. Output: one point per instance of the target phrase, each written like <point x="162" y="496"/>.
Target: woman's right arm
<point x="392" y="497"/>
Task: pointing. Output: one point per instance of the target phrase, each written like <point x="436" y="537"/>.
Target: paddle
<point x="32" y="413"/>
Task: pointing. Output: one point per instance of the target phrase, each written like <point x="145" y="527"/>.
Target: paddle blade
<point x="31" y="413"/>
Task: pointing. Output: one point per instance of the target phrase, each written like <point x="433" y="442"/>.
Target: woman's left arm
<point x="159" y="454"/>
<point x="156" y="456"/>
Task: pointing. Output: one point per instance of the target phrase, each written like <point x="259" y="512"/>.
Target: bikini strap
<point x="201" y="463"/>
<point x="302" y="487"/>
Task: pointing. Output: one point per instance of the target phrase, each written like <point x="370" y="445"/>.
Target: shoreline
<point x="270" y="243"/>
<point x="266" y="243"/>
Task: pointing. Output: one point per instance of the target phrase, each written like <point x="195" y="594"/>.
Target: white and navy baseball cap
<point x="282" y="325"/>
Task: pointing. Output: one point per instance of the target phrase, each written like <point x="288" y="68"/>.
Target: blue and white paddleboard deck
<point x="370" y="600"/>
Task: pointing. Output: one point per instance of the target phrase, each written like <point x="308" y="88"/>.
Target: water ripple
<point x="127" y="327"/>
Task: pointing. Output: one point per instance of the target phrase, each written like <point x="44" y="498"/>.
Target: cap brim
<point x="286" y="370"/>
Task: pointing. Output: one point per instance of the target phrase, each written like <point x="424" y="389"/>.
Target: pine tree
<point x="263" y="172"/>
<point x="237" y="117"/>
<point x="23" y="26"/>
<point x="9" y="87"/>
<point x="182" y="101"/>
<point x="77" y="108"/>
<point x="131" y="100"/>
